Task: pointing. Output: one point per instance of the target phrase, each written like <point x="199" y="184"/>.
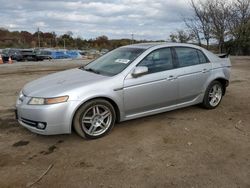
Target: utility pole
<point x="38" y="35"/>
<point x="132" y="38"/>
<point x="55" y="41"/>
<point x="64" y="43"/>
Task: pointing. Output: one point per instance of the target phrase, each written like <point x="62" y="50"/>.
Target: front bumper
<point x="57" y="118"/>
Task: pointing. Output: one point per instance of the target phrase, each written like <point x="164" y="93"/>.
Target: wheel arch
<point x="224" y="83"/>
<point x="111" y="101"/>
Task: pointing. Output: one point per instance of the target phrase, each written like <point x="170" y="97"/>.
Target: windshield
<point x="114" y="62"/>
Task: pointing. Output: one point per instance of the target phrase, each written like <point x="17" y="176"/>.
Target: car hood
<point x="61" y="82"/>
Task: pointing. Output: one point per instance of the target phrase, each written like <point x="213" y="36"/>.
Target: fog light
<point x="41" y="125"/>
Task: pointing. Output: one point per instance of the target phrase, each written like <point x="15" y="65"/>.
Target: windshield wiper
<point x="91" y="70"/>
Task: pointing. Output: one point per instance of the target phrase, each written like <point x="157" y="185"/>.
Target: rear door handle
<point x="171" y="77"/>
<point x="205" y="70"/>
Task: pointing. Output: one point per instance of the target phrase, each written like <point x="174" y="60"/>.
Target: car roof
<point x="145" y="45"/>
<point x="160" y="44"/>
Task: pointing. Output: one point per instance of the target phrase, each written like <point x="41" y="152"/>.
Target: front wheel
<point x="213" y="95"/>
<point x="94" y="119"/>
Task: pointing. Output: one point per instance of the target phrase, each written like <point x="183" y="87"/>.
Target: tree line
<point x="39" y="39"/>
<point x="218" y="25"/>
<point x="224" y="23"/>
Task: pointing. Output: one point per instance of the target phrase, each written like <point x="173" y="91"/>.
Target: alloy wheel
<point x="96" y="120"/>
<point x="215" y="95"/>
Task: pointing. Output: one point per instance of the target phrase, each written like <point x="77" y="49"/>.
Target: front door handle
<point x="205" y="70"/>
<point x="171" y="77"/>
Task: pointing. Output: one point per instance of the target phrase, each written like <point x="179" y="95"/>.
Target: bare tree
<point x="219" y="12"/>
<point x="194" y="28"/>
<point x="201" y="23"/>
<point x="181" y="36"/>
<point x="70" y="33"/>
<point x="239" y="23"/>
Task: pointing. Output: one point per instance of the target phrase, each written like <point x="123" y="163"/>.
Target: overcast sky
<point x="147" y="19"/>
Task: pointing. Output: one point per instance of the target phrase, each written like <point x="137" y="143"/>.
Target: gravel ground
<point x="190" y="147"/>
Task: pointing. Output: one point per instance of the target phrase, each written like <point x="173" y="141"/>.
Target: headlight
<point x="35" y="100"/>
<point x="44" y="101"/>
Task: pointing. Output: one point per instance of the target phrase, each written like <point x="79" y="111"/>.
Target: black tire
<point x="206" y="101"/>
<point x="77" y="121"/>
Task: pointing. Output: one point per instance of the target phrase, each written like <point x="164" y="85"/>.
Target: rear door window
<point x="202" y="57"/>
<point x="187" y="56"/>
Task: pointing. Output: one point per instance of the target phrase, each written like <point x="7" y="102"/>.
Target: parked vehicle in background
<point x="104" y="51"/>
<point x="5" y="58"/>
<point x="93" y="54"/>
<point x="129" y="82"/>
<point x="73" y="54"/>
<point x="42" y="54"/>
<point x="15" y="54"/>
<point x="82" y="52"/>
<point x="28" y="54"/>
<point x="58" y="54"/>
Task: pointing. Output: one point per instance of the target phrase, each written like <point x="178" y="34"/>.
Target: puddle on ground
<point x="21" y="143"/>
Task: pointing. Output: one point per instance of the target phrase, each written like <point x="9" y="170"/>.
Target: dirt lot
<point x="190" y="147"/>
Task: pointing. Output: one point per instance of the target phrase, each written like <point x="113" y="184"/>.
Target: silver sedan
<point x="129" y="82"/>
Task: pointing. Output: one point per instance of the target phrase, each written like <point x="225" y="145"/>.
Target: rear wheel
<point x="213" y="95"/>
<point x="94" y="119"/>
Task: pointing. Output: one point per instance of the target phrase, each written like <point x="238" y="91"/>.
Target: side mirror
<point x="139" y="71"/>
